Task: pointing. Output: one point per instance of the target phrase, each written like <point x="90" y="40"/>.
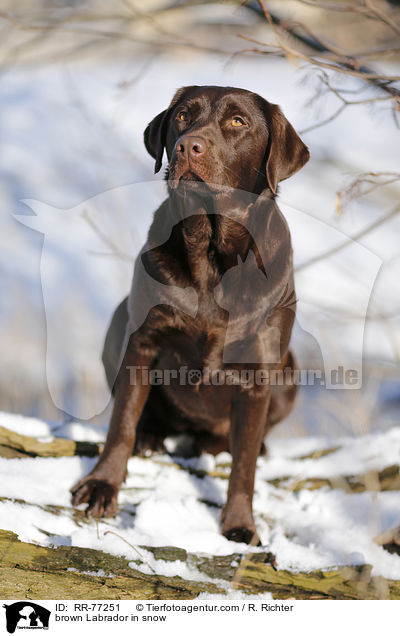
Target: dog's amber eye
<point x="237" y="122"/>
<point x="183" y="116"/>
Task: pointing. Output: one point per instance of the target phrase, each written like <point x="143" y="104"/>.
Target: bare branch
<point x="115" y="251"/>
<point x="367" y="9"/>
<point x="375" y="11"/>
<point x="364" y="184"/>
<point x="324" y="121"/>
<point x="340" y="62"/>
<point x="339" y="93"/>
<point x="350" y="240"/>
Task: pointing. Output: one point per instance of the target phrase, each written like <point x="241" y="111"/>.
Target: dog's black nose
<point x="191" y="147"/>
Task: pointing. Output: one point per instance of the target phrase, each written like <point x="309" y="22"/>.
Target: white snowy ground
<point x="162" y="505"/>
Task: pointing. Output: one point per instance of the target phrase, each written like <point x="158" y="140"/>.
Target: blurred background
<point x="80" y="82"/>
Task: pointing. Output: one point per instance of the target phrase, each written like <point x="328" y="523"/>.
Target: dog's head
<point x="225" y="136"/>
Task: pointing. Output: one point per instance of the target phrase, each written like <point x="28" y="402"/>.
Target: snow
<point x="162" y="504"/>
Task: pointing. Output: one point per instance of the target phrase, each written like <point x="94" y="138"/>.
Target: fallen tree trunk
<point x="36" y="572"/>
<point x="17" y="445"/>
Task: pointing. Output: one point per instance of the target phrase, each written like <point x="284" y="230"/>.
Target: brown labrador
<point x="207" y="325"/>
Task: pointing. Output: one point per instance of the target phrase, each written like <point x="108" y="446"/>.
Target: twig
<point x="106" y="239"/>
<point x="345" y="102"/>
<point x="349" y="241"/>
<point x="353" y="190"/>
<point x="341" y="67"/>
<point x="367" y="9"/>
<point x="343" y="63"/>
<point x="133" y="548"/>
<point x="324" y="121"/>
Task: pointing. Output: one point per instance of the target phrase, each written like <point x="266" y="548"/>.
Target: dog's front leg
<point x="99" y="489"/>
<point x="249" y="415"/>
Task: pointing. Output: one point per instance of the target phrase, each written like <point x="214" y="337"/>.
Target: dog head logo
<point x="26" y="615"/>
<point x="101" y="239"/>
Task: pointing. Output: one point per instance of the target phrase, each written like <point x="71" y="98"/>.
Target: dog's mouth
<point x="188" y="180"/>
<point x="189" y="175"/>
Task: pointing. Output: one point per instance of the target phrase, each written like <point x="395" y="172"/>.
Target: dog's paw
<point x="243" y="535"/>
<point x="100" y="496"/>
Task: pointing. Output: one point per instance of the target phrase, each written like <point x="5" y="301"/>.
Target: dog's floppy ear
<point x="286" y="153"/>
<point x="155" y="135"/>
